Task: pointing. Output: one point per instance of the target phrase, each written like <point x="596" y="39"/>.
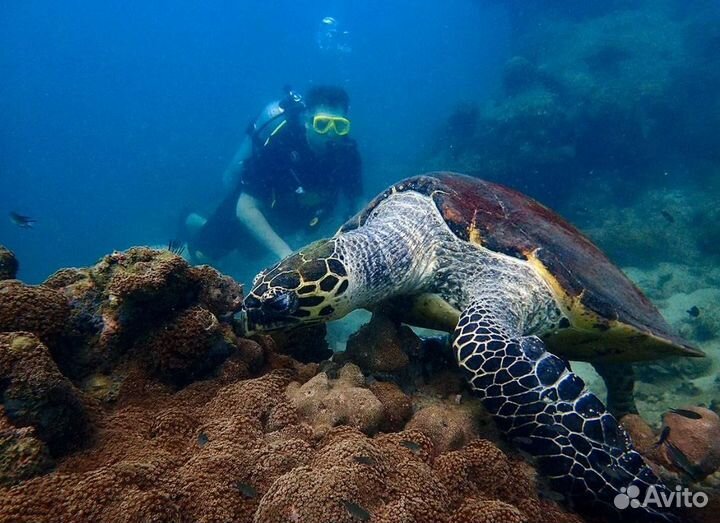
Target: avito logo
<point x="681" y="497"/>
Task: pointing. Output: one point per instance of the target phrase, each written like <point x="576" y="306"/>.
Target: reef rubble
<point x="136" y="401"/>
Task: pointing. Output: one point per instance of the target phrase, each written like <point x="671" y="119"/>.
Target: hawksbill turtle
<point x="522" y="290"/>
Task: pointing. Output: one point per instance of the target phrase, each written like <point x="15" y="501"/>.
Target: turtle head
<point x="309" y="286"/>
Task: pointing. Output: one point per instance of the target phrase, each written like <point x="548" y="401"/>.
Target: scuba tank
<point x="274" y="117"/>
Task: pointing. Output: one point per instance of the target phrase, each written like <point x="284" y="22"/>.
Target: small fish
<point x="681" y="461"/>
<point x="411" y="445"/>
<point x="24" y="222"/>
<point x="246" y="489"/>
<point x="667" y="216"/>
<point x="356" y="511"/>
<point x="176" y="247"/>
<point x="693" y="311"/>
<point x="202" y="439"/>
<point x="689" y="414"/>
<point x="365" y="460"/>
<point x="663" y="437"/>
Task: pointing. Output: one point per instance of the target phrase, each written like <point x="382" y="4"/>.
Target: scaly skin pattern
<point x="406" y="248"/>
<point x="545" y="410"/>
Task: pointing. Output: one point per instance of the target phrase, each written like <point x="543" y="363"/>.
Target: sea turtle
<point x="523" y="291"/>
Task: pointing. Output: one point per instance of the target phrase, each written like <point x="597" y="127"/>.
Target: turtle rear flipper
<point x="545" y="410"/>
<point x="619" y="380"/>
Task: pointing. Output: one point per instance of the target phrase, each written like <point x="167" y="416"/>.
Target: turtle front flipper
<point x="545" y="410"/>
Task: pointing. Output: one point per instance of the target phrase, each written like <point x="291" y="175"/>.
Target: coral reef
<point x="143" y="300"/>
<point x="36" y="394"/>
<point x="449" y="425"/>
<point x="657" y="226"/>
<point x="68" y="346"/>
<point x="178" y="419"/>
<point x="325" y="403"/>
<point x="188" y="346"/>
<point x="8" y="264"/>
<point x="620" y="91"/>
<point x="397" y="405"/>
<point x="37" y="309"/>
<point x="379" y="346"/>
<point x="22" y="454"/>
<point x="241" y="451"/>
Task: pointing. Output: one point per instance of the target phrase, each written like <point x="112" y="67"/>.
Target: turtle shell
<point x="599" y="299"/>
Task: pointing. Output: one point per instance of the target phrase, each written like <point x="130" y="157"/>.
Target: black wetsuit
<point x="296" y="188"/>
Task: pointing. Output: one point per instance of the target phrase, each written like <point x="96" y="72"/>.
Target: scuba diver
<point x="286" y="179"/>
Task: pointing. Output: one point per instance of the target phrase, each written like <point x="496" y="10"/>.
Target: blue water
<point x="119" y="116"/>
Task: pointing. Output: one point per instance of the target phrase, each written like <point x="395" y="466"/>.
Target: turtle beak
<point x="266" y="314"/>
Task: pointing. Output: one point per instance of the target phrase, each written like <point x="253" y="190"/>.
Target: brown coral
<point x="380" y="346"/>
<point x="8" y="264"/>
<point x="326" y="403"/>
<point x="695" y="438"/>
<point x="479" y="468"/>
<point x="37" y="309"/>
<point x="147" y="276"/>
<point x="257" y="437"/>
<point x="187" y="346"/>
<point x="36" y="394"/>
<point x="449" y="425"/>
<point x="333" y="494"/>
<point x="220" y="294"/>
<point x="480" y="511"/>
<point x="238" y="450"/>
<point x="150" y="306"/>
<point x="22" y="454"/>
<point x="396" y="404"/>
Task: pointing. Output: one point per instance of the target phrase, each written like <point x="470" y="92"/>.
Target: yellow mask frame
<point x="324" y="123"/>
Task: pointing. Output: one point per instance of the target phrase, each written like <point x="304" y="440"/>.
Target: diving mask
<point x="324" y="123"/>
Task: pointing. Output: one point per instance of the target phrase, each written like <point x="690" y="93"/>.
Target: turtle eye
<point x="282" y="303"/>
<point x="251" y="302"/>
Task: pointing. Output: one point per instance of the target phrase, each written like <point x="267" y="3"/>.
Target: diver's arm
<point x="231" y="175"/>
<point x="249" y="214"/>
